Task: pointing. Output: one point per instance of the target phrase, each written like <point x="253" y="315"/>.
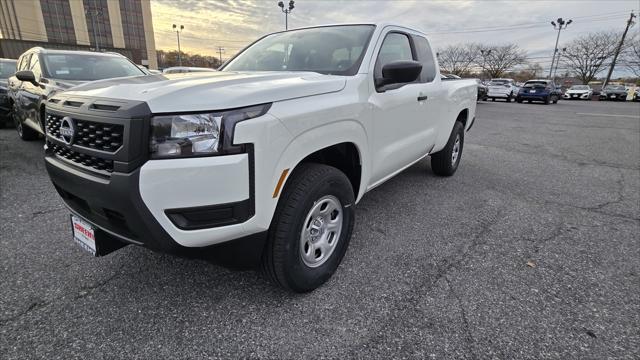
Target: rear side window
<point x="425" y="56"/>
<point x="396" y="46"/>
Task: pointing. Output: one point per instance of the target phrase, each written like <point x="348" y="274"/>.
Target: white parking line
<point x="610" y="115"/>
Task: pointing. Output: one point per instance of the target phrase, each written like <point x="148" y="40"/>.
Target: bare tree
<point x="586" y="55"/>
<point x="458" y="59"/>
<point x="631" y="55"/>
<point x="502" y="59"/>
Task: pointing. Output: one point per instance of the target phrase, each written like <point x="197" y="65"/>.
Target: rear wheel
<point x="445" y="162"/>
<point x="311" y="228"/>
<point x="519" y="101"/>
<point x="546" y="100"/>
<point x="555" y="99"/>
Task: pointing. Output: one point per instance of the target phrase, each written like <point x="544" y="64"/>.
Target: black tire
<point x="519" y="101"/>
<point x="25" y="132"/>
<point x="442" y="162"/>
<point x="546" y="100"/>
<point x="282" y="261"/>
<point x="493" y="99"/>
<point x="555" y="99"/>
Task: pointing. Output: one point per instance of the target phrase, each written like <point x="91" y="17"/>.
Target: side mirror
<point x="26" y="75"/>
<point x="398" y="72"/>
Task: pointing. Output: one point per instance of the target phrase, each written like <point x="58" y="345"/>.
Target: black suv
<point x="43" y="72"/>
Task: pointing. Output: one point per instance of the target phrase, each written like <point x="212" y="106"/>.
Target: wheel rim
<point x="456" y="151"/>
<point x="321" y="231"/>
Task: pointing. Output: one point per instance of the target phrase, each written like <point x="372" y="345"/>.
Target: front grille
<point x="93" y="162"/>
<point x="89" y="134"/>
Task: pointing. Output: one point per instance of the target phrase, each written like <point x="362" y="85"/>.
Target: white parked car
<point x="578" y="92"/>
<point x="269" y="155"/>
<point x="502" y="89"/>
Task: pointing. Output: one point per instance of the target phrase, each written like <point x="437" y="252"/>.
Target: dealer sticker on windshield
<point x="84" y="234"/>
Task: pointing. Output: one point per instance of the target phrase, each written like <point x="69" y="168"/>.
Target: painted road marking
<point x="610" y="115"/>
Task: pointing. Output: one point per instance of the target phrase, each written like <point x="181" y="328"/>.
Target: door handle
<point x="422" y="97"/>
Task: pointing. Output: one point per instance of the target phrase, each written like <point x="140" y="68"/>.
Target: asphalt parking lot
<point x="531" y="250"/>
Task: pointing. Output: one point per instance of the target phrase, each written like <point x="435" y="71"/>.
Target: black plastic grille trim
<point x="89" y="134"/>
<point x="92" y="162"/>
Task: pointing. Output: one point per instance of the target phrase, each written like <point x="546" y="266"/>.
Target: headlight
<point x="202" y="134"/>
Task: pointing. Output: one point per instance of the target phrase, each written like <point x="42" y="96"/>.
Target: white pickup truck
<point x="267" y="156"/>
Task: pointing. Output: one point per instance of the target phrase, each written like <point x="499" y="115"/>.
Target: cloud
<point x="232" y="24"/>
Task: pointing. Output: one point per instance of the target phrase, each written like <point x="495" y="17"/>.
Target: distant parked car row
<point x="546" y="91"/>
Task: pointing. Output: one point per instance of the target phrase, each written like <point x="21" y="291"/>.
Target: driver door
<point x="399" y="136"/>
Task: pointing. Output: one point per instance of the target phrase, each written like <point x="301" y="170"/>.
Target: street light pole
<point x="555" y="71"/>
<point x="484" y="53"/>
<point x="178" y="30"/>
<point x="286" y="12"/>
<point x="94" y="14"/>
<point x="220" y="50"/>
<point x="559" y="26"/>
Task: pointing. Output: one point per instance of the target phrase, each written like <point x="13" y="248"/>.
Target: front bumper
<point x="619" y="97"/>
<point x="584" y="96"/>
<point x="165" y="205"/>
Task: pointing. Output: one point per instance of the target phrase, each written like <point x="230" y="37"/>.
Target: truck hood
<point x="211" y="90"/>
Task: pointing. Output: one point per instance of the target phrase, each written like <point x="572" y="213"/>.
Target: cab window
<point x="425" y="56"/>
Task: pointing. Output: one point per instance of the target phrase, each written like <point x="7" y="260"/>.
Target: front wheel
<point x="445" y="162"/>
<point x="24" y="132"/>
<point x="311" y="228"/>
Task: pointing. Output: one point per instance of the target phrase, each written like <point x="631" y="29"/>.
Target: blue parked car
<point x="539" y="90"/>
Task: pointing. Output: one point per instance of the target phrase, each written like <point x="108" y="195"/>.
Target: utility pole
<point x="178" y="31"/>
<point x="615" y="56"/>
<point x="560" y="26"/>
<point x="286" y="12"/>
<point x="220" y="50"/>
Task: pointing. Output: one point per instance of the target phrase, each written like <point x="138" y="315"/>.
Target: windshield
<point x="534" y="84"/>
<point x="84" y="67"/>
<point x="336" y="50"/>
<point x="7" y="68"/>
<point x="499" y="82"/>
<point x="614" y="87"/>
<point x="579" y="87"/>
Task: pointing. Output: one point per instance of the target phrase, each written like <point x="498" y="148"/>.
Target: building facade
<point x="122" y="26"/>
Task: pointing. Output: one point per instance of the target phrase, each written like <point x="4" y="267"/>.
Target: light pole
<point x="561" y="25"/>
<point x="286" y="12"/>
<point x="220" y="50"/>
<point x="178" y="30"/>
<point x="94" y="14"/>
<point x="484" y="53"/>
<point x="555" y="71"/>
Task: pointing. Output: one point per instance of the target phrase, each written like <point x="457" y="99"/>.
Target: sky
<point x="232" y="24"/>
